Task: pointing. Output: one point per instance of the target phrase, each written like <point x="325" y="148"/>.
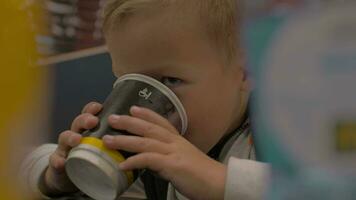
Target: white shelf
<point x="73" y="55"/>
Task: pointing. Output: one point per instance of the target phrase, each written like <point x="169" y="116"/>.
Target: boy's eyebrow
<point x="152" y="69"/>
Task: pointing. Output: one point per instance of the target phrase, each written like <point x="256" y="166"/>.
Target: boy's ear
<point x="245" y="84"/>
<point x="242" y="66"/>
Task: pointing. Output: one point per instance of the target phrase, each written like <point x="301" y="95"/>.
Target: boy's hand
<point x="56" y="180"/>
<point x="160" y="148"/>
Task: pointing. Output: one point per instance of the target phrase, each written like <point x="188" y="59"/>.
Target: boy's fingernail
<point x="135" y="108"/>
<point x="122" y="166"/>
<point x="87" y="121"/>
<point x="108" y="138"/>
<point x="55" y="165"/>
<point x="94" y="106"/>
<point x="115" y="118"/>
<point x="71" y="140"/>
<point x="58" y="164"/>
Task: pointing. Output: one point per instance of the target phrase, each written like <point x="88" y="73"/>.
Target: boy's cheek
<point x="203" y="134"/>
<point x="197" y="140"/>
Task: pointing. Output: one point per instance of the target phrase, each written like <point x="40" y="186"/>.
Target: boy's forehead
<point x="146" y="42"/>
<point x="172" y="13"/>
<point x="150" y="70"/>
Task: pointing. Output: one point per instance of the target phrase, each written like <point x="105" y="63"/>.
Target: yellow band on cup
<point x="117" y="156"/>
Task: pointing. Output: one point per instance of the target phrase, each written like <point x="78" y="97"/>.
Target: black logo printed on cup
<point x="91" y="166"/>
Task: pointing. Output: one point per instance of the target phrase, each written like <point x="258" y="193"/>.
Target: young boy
<point x="193" y="48"/>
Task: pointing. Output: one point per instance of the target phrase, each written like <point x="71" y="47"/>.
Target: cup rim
<point x="163" y="89"/>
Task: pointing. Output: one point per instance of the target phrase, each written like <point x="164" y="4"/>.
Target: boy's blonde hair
<point x="221" y="17"/>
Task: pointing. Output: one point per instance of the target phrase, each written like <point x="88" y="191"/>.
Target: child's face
<point x="176" y="50"/>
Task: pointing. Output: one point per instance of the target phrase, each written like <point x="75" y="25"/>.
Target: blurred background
<point x="53" y="62"/>
<point x="302" y="59"/>
<point x="59" y="63"/>
<point x="70" y="25"/>
<point x="71" y="46"/>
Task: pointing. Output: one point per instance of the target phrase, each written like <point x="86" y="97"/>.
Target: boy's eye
<point x="171" y="81"/>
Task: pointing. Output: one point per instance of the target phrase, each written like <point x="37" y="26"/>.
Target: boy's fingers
<point x="57" y="162"/>
<point x="84" y="121"/>
<point x="153" y="117"/>
<point x="92" y="108"/>
<point x="148" y="160"/>
<point x="139" y="127"/>
<point x="66" y="141"/>
<point x="135" y="144"/>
